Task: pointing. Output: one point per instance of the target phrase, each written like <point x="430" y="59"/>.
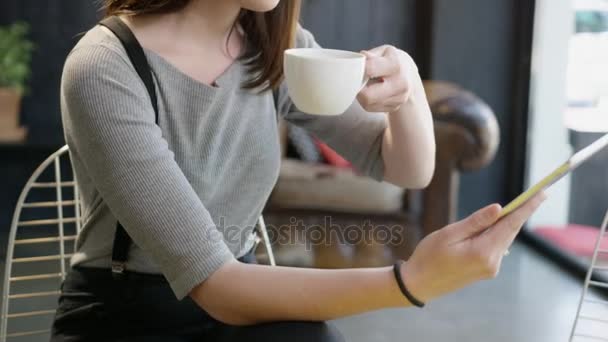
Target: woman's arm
<point x="408" y="147"/>
<point x="243" y="294"/>
<point x="388" y="133"/>
<point x="445" y="261"/>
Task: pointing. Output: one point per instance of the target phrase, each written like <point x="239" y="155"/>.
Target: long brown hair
<point x="268" y="34"/>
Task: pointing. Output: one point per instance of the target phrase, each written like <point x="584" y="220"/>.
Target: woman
<point x="209" y="165"/>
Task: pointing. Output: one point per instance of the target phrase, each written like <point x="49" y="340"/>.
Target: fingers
<point x="392" y="71"/>
<point x="383" y="64"/>
<point x="385" y="95"/>
<point x="505" y="231"/>
<point x="475" y="224"/>
<point x="380" y="50"/>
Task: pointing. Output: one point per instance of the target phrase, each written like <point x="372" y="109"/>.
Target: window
<point x="569" y="110"/>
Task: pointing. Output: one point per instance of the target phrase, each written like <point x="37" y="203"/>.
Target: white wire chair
<point x="591" y="323"/>
<point x="44" y="228"/>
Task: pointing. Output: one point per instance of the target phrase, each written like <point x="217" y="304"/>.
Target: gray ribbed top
<point x="190" y="191"/>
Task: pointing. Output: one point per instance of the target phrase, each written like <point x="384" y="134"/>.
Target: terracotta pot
<point x="10" y="106"/>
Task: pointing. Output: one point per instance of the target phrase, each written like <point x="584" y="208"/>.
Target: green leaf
<point x="15" y="55"/>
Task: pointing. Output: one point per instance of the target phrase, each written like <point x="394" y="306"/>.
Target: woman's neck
<point x="202" y="23"/>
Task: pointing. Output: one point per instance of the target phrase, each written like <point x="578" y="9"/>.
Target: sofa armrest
<point x="467" y="137"/>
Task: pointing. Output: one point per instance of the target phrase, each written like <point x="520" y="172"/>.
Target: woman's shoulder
<point x="305" y="38"/>
<point x="96" y="49"/>
<point x="98" y="64"/>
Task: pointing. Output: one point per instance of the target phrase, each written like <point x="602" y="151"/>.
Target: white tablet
<point x="571" y="164"/>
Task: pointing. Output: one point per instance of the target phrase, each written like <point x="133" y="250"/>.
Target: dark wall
<point x="475" y="44"/>
<point x="362" y="24"/>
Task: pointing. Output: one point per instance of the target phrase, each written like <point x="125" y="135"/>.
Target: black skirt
<point x="94" y="306"/>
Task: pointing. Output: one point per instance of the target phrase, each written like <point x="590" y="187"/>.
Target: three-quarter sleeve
<point x="357" y="135"/>
<point x="110" y="127"/>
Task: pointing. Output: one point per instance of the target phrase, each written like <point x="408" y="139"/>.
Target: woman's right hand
<point x="464" y="252"/>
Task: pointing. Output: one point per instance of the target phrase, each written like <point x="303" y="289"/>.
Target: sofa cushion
<point x="315" y="186"/>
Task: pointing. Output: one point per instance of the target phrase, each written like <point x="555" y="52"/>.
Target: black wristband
<point x="404" y="290"/>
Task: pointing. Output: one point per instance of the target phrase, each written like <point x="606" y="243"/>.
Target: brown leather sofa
<point x="311" y="200"/>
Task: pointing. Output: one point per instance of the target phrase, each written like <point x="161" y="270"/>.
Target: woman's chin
<point x="259" y="5"/>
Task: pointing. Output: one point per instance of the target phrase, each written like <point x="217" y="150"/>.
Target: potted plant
<point x="15" y="57"/>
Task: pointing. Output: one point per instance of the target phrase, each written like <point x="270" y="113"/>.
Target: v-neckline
<point x="222" y="81"/>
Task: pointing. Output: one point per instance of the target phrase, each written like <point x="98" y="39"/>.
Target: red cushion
<point x="332" y="157"/>
<point x="577" y="239"/>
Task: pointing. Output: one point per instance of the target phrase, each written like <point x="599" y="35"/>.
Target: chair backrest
<point x="41" y="240"/>
<point x="591" y="323"/>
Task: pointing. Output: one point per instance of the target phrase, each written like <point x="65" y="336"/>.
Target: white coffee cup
<point x="324" y="81"/>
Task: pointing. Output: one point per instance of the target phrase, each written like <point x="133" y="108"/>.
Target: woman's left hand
<point x="392" y="73"/>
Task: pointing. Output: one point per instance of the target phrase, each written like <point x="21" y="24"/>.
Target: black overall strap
<point x="122" y="240"/>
